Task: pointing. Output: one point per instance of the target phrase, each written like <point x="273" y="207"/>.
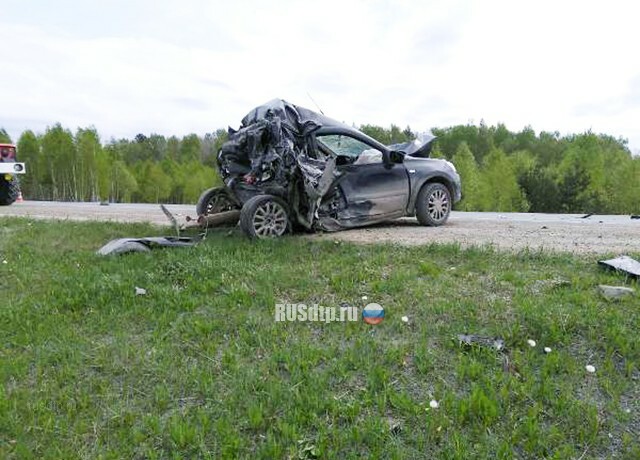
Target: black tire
<point x="9" y="190"/>
<point x="433" y="204"/>
<point x="264" y="216"/>
<point x="215" y="200"/>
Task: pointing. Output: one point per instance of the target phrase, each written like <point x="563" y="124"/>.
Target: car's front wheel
<point x="433" y="204"/>
<point x="264" y="216"/>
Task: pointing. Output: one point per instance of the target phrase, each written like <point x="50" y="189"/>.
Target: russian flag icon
<point x="373" y="313"/>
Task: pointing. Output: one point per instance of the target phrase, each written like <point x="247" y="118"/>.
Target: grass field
<point x="198" y="368"/>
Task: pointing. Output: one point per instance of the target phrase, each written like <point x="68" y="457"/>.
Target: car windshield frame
<point x="346" y="150"/>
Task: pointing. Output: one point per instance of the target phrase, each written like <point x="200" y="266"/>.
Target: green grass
<point x="198" y="368"/>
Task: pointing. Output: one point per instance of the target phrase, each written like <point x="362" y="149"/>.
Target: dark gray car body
<point x="281" y="149"/>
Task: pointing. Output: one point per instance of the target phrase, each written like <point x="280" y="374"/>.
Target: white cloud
<point x="194" y="66"/>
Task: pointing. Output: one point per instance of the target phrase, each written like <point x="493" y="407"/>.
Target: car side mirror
<point x="396" y="157"/>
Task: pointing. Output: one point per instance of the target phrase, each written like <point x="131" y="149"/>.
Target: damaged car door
<point x="374" y="188"/>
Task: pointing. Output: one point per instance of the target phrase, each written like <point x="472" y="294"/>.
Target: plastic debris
<point x="591" y="369"/>
<point x="433" y="404"/>
<point x="532" y="343"/>
<point x="405" y="319"/>
<point x="141" y="291"/>
<point x="5" y="262"/>
<point x="547" y="349"/>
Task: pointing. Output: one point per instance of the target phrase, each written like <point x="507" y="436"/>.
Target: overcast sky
<point x="176" y="67"/>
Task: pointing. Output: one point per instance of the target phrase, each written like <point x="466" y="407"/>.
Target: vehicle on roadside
<point x="9" y="169"/>
<point x="288" y="168"/>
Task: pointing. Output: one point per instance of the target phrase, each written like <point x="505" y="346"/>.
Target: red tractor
<point x="9" y="184"/>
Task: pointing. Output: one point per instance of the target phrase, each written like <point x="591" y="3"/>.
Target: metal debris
<point x="125" y="245"/>
<point x="624" y="264"/>
<point x="172" y="219"/>
<point x="219" y="219"/>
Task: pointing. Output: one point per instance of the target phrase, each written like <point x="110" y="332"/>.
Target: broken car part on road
<point x="288" y="167"/>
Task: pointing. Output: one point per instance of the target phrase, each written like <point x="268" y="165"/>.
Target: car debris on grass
<point x="145" y="244"/>
<point x="624" y="264"/>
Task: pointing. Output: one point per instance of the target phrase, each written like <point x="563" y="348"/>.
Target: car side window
<point x="347" y="146"/>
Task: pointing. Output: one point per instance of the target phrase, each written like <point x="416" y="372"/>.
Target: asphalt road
<point x="556" y="232"/>
<point x="136" y="212"/>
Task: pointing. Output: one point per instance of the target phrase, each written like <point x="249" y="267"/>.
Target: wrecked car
<point x="289" y="168"/>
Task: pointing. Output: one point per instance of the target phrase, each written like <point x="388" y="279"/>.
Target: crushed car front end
<point x="273" y="153"/>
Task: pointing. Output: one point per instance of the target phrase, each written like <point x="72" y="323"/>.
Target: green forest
<point x="501" y="170"/>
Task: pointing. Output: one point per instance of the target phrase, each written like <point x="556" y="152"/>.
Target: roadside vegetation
<point x="198" y="368"/>
<point x="501" y="170"/>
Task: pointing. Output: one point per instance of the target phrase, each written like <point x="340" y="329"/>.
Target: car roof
<point x="298" y="115"/>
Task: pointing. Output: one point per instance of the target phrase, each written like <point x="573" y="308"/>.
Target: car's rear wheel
<point x="264" y="216"/>
<point x="433" y="204"/>
<point x="9" y="190"/>
<point x="215" y="200"/>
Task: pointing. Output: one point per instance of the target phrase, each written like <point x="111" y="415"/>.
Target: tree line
<point x="501" y="170"/>
<point x="545" y="172"/>
<point x="67" y="166"/>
